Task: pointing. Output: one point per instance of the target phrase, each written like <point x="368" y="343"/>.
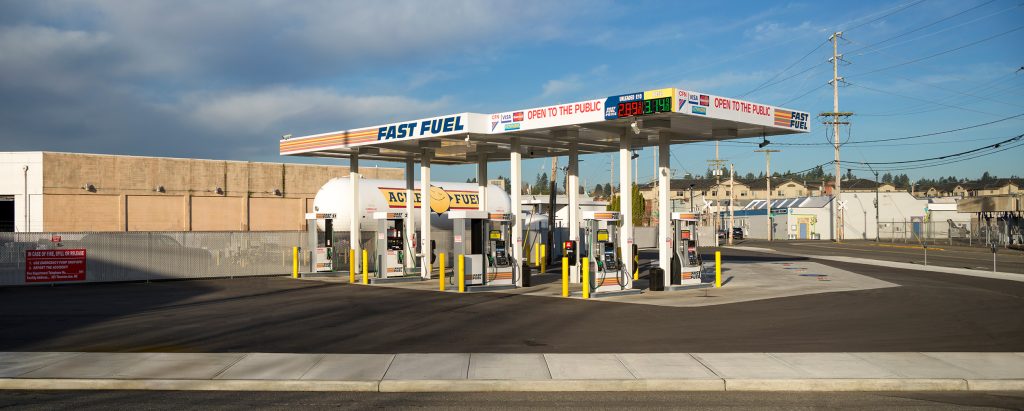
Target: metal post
<point x="718" y="269"/>
<point x="585" y="262"/>
<point x="441" y="273"/>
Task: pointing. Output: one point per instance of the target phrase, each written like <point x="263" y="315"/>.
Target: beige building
<point x="91" y="192"/>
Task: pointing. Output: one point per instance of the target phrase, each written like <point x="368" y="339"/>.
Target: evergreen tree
<point x="887" y="178"/>
<point x="598" y="191"/>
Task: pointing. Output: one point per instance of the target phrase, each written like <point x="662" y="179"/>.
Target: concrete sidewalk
<point x="514" y="372"/>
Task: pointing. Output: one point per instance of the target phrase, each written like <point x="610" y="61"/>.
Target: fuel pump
<point x="601" y="235"/>
<point x="499" y="261"/>
<point x="482" y="239"/>
<point x="469" y="243"/>
<point x="686" y="262"/>
<point x="323" y="248"/>
<point x="393" y="254"/>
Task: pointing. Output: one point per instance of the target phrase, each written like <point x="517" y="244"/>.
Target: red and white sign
<point x="43" y="266"/>
<point x="54" y="238"/>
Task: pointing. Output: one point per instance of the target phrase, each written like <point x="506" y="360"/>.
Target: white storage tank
<point x="389" y="195"/>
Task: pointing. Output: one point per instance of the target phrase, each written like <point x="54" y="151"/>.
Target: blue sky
<point x="225" y="79"/>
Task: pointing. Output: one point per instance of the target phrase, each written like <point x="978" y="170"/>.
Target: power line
<point x="921" y="99"/>
<point x="924" y="26"/>
<point x="953" y="27"/>
<point x="949" y="89"/>
<point x="762" y="85"/>
<point x="959" y="160"/>
<point x="995" y="145"/>
<point x="895" y="10"/>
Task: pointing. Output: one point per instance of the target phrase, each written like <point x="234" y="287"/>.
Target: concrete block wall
<point x="131" y="193"/>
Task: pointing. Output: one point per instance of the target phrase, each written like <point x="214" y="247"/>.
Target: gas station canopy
<point x="589" y="126"/>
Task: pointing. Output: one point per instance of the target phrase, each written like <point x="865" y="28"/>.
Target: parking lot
<point x="925" y="312"/>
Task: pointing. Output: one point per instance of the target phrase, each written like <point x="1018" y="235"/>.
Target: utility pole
<point x="837" y="233"/>
<point x="732" y="195"/>
<point x="768" y="184"/>
<point x="716" y="170"/>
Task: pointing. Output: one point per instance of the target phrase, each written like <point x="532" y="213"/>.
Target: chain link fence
<point x="134" y="256"/>
<point x="1006" y="232"/>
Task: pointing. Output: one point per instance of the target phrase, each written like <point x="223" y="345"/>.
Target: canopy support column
<point x="664" y="211"/>
<point x="425" y="252"/>
<point x="356" y="214"/>
<point x="481" y="181"/>
<point x="572" y="192"/>
<point x="626" y="204"/>
<point x="516" y="247"/>
<point x="410" y="223"/>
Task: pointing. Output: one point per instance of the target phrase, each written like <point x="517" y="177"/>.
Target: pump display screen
<point x="495" y="235"/>
<point x="684" y="235"/>
<point x="609" y="257"/>
<point x="602" y="235"/>
<point x="644" y="107"/>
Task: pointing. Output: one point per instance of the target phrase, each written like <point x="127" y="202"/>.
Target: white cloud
<point x="279" y="109"/>
<point x="572" y="83"/>
<point x="725" y="80"/>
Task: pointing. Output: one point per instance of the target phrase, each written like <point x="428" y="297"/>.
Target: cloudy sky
<point x="224" y="79"/>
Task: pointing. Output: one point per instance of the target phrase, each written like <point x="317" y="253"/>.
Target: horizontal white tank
<point x="389" y="195"/>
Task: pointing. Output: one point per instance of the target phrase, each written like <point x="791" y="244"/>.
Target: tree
<point x="887" y="178"/>
<point x="471" y="180"/>
<point x="542" y="185"/>
<point x="607" y="189"/>
<point x="849" y="174"/>
<point x="598" y="191"/>
<point x="639" y="205"/>
<point x="749" y="176"/>
<point x="985" y="177"/>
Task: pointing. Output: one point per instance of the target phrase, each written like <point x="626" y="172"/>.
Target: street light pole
<point x="768" y="185"/>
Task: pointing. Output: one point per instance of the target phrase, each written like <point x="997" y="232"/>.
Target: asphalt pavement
<point x="176" y="400"/>
<point x="927" y="312"/>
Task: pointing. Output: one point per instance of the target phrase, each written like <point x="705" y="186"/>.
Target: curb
<point x="185" y="385"/>
<point x="704" y="384"/>
<point x="847" y="384"/>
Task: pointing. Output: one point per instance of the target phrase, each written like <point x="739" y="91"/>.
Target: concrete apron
<point x="514" y="372"/>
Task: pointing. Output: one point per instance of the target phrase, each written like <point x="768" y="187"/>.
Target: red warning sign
<point x="54" y="265"/>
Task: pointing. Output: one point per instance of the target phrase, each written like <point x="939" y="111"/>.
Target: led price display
<point x="644" y="107"/>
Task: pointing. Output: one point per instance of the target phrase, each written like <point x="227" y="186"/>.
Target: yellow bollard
<point x="565" y="276"/>
<point x="366" y="278"/>
<point x="295" y="262"/>
<point x="718" y="269"/>
<point x="462" y="273"/>
<point x="441" y="277"/>
<point x="636" y="266"/>
<point x="351" y="266"/>
<point x="543" y="258"/>
<point x="586" y="277"/>
<point x="536" y="255"/>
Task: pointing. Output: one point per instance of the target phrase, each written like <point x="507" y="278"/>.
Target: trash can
<point x="526" y="273"/>
<point x="656" y="276"/>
